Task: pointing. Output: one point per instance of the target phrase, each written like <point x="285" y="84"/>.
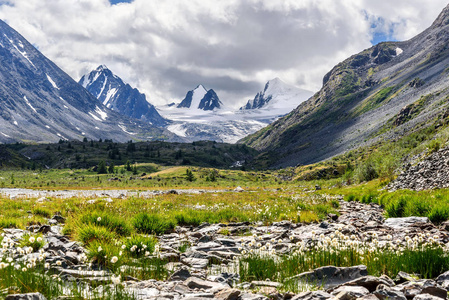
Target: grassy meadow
<point x="121" y="234"/>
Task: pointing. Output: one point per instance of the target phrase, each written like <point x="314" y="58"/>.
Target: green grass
<point x="36" y="242"/>
<point x="153" y="224"/>
<point x="110" y="221"/>
<point x="429" y="260"/>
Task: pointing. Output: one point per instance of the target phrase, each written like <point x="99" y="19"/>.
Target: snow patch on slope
<point x="123" y="128"/>
<point x="29" y="104"/>
<point x="103" y="115"/>
<point x="111" y="93"/>
<point x="52" y="82"/>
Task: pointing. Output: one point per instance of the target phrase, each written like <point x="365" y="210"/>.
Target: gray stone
<point x="145" y="293"/>
<point x="389" y="294"/>
<point x="443" y="280"/>
<point x="180" y="275"/>
<point x="369" y="282"/>
<point x="315" y="295"/>
<point x="228" y="294"/>
<point x="403" y="277"/>
<point x="197" y="283"/>
<point x="266" y="283"/>
<point x="368" y="297"/>
<point x="197" y="263"/>
<point x="401" y="223"/>
<point x="426" y="297"/>
<point x="435" y="291"/>
<point x="31" y="296"/>
<point x="350" y="292"/>
<point x="331" y="276"/>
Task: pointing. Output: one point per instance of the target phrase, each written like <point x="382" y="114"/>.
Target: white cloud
<point x="168" y="47"/>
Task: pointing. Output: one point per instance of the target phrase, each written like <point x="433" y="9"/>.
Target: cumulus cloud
<point x="166" y="48"/>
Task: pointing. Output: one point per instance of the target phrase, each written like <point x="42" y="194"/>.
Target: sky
<point x="166" y="48"/>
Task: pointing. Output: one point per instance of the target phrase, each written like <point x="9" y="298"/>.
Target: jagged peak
<point x="102" y="68"/>
<point x="443" y="18"/>
<point x="200" y="86"/>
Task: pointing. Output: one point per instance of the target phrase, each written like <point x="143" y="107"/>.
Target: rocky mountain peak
<point x="201" y="98"/>
<point x="111" y="91"/>
<point x="443" y="18"/>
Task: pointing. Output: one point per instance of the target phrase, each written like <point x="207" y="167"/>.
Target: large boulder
<point x="401" y="223"/>
<point x="331" y="276"/>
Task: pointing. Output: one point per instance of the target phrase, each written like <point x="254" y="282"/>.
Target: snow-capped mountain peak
<point x="201" y="98"/>
<point x="278" y="95"/>
<point x="112" y="92"/>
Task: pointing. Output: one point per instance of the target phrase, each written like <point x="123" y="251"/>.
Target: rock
<point x="426" y="297"/>
<point x="266" y="283"/>
<point x="197" y="283"/>
<point x="389" y="294"/>
<point x="44" y="229"/>
<point x="443" y="280"/>
<point x="59" y="218"/>
<point x="315" y="295"/>
<point x="145" y="293"/>
<point x="31" y="296"/>
<point x="180" y="275"/>
<point x="368" y="297"/>
<point x="435" y="291"/>
<point x="331" y="276"/>
<point x="350" y="292"/>
<point x="228" y="294"/>
<point x="333" y="217"/>
<point x="239" y="189"/>
<point x="403" y="277"/>
<point x="271" y="292"/>
<point x="401" y="223"/>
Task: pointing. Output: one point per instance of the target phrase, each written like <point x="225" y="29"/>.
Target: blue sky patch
<point x="120" y="1"/>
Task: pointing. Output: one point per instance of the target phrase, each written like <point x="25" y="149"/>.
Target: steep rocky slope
<point x="381" y="93"/>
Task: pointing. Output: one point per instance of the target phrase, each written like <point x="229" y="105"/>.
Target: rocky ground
<point x="430" y="173"/>
<point x="207" y="269"/>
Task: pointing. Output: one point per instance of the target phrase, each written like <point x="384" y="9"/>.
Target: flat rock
<point x="369" y="282"/>
<point x="228" y="294"/>
<point x="197" y="263"/>
<point x="30" y="296"/>
<point x="315" y="295"/>
<point x="389" y="294"/>
<point x="331" y="276"/>
<point x="426" y="297"/>
<point x="401" y="223"/>
<point x="350" y="292"/>
<point x="180" y="275"/>
<point x="197" y="283"/>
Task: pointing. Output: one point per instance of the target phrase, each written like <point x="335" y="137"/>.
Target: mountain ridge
<point x="360" y="98"/>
